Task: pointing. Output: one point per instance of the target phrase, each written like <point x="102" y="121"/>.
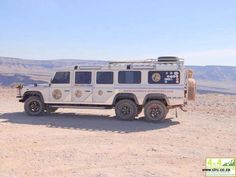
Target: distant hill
<point x="215" y="73"/>
<point x="215" y="78"/>
<point x="14" y="70"/>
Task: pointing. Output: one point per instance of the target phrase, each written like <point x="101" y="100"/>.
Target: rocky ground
<point x="74" y="143"/>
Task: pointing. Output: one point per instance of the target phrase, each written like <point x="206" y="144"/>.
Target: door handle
<point x="109" y="91"/>
<point x="87" y="91"/>
<point x="66" y="90"/>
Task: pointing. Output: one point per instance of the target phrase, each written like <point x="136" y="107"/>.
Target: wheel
<point x="126" y="110"/>
<point x="34" y="106"/>
<point x="155" y="111"/>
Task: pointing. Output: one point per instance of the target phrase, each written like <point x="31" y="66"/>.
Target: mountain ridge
<point x="209" y="78"/>
<point x="86" y="60"/>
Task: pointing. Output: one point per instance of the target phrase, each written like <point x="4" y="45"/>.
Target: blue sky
<point x="203" y="32"/>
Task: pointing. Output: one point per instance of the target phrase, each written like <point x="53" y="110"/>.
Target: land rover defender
<point x="129" y="87"/>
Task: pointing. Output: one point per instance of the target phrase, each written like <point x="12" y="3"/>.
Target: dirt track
<point x="93" y="143"/>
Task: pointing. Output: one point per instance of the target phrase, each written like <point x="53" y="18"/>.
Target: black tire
<point x="155" y="111"/>
<point x="126" y="110"/>
<point x="34" y="106"/>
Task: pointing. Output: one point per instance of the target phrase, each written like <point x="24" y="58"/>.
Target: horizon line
<point x="103" y="60"/>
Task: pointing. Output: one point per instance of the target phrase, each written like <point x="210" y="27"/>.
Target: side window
<point x="163" y="77"/>
<point x="129" y="77"/>
<point x="104" y="78"/>
<point x="61" y="78"/>
<point x="83" y="77"/>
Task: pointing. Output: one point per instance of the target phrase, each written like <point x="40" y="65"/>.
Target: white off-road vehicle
<point x="153" y="85"/>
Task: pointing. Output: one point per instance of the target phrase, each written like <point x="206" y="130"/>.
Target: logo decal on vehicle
<point x="78" y="93"/>
<point x="100" y="92"/>
<point x="156" y="77"/>
<point x="56" y="94"/>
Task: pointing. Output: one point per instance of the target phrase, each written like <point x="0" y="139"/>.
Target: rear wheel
<point x="34" y="106"/>
<point x="126" y="110"/>
<point x="155" y="111"/>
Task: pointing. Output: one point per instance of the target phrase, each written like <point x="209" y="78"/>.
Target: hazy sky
<point x="202" y="31"/>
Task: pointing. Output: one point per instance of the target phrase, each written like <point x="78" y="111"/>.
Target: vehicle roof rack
<point x="161" y="60"/>
<point x="148" y="63"/>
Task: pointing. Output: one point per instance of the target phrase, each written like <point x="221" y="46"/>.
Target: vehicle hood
<point x="38" y="85"/>
<point x="35" y="86"/>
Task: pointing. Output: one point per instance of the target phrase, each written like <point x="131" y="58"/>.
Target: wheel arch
<point x="156" y="96"/>
<point x="121" y="96"/>
<point x="32" y="93"/>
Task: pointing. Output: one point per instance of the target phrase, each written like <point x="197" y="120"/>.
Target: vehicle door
<point x="60" y="87"/>
<point x="103" y="87"/>
<point x="82" y="88"/>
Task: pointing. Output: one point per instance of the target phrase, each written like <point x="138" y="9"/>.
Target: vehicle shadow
<point x="87" y="122"/>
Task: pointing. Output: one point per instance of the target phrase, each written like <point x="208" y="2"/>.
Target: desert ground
<point x="75" y="142"/>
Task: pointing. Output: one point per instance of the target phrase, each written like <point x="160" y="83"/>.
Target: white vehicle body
<point x="165" y="79"/>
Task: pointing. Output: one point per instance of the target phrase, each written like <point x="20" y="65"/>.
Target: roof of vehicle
<point x="159" y="63"/>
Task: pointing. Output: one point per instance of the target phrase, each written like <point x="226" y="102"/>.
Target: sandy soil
<point x="75" y="143"/>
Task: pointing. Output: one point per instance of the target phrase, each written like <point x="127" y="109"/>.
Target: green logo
<point x="221" y="167"/>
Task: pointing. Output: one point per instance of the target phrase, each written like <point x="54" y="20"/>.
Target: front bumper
<point x="20" y="98"/>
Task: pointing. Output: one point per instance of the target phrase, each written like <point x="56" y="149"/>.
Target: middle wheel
<point x="126" y="110"/>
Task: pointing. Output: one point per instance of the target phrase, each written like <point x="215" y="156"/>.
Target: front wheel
<point x="126" y="110"/>
<point x="34" y="106"/>
<point x="155" y="111"/>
